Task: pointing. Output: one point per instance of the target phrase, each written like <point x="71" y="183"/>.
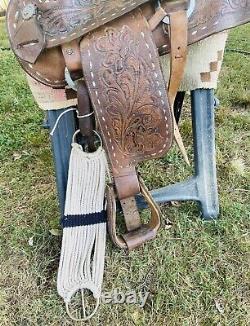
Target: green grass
<point x="197" y="273"/>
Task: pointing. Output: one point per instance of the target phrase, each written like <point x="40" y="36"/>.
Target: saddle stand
<point x="108" y="52"/>
<point x="114" y="47"/>
<point x="201" y="187"/>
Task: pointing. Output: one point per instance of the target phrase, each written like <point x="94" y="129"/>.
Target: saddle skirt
<point x="38" y="28"/>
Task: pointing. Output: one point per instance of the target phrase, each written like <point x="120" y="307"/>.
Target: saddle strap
<point x="122" y="72"/>
<point x="178" y="36"/>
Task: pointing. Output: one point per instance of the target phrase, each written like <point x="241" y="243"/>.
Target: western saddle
<point x="106" y="54"/>
<point x="108" y="51"/>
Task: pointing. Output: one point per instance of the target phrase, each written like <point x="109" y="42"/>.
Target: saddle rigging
<point x="110" y="51"/>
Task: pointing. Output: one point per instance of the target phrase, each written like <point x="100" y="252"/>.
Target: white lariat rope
<point x="59" y="118"/>
<point x="84" y="227"/>
<point x="65" y="112"/>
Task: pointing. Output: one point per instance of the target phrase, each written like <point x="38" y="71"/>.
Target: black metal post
<point x="61" y="147"/>
<point x="202" y="187"/>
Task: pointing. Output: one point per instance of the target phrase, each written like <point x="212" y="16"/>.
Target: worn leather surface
<point x="121" y="69"/>
<point x="136" y="235"/>
<point x="118" y="56"/>
<point x="62" y="20"/>
<point x="127" y="90"/>
<point x="209" y="17"/>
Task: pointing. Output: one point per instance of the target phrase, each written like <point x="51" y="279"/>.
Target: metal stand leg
<point x="61" y="146"/>
<point x="178" y="104"/>
<point x="201" y="187"/>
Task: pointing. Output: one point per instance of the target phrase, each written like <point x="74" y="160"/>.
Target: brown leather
<point x="63" y="21"/>
<point x="178" y="40"/>
<point x="126" y="87"/>
<point x="127" y="91"/>
<point x="209" y="17"/>
<point x="30" y="41"/>
<point x="72" y="56"/>
<point x="156" y="19"/>
<point x="178" y="28"/>
<point x="131" y="213"/>
<point x="85" y="120"/>
<point x="140" y="234"/>
<point x="126" y="182"/>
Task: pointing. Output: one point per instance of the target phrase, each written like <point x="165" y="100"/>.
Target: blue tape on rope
<point x="84" y="219"/>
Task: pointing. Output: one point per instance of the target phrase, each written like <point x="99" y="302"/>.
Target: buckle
<point x="142" y="232"/>
<point x="71" y="83"/>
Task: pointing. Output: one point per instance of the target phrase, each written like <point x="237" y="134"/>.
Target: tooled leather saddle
<point x="112" y="48"/>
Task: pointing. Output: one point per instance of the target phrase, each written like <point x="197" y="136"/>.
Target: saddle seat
<point x="37" y="29"/>
<point x="62" y="21"/>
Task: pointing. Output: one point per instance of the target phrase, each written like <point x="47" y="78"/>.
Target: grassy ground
<point x="196" y="272"/>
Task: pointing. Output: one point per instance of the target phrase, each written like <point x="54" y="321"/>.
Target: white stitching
<point x="160" y="93"/>
<point x="99" y="102"/>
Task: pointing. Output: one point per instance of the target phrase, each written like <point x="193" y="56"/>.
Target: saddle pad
<point x="55" y="99"/>
<point x="204" y="61"/>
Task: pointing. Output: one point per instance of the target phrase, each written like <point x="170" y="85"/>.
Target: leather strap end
<point x="177" y="5"/>
<point x="155" y="20"/>
<point x="29" y="41"/>
<point x="86" y="124"/>
<point x="127" y="184"/>
<point x="72" y="55"/>
<point x="178" y="40"/>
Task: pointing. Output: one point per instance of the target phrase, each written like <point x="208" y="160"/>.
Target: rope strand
<point x="83" y="246"/>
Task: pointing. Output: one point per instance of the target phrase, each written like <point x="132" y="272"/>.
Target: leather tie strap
<point x="85" y="119"/>
<point x="176" y="11"/>
<point x="178" y="30"/>
<point x="122" y="72"/>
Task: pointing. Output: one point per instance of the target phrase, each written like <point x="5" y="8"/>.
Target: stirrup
<point x="135" y="237"/>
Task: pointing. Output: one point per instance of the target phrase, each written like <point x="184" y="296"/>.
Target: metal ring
<point x="72" y="84"/>
<point x="78" y="131"/>
<point x="85" y="317"/>
<point x="189" y="12"/>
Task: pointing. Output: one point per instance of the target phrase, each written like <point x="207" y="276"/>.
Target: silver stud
<point x="69" y="51"/>
<point x="29" y="11"/>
